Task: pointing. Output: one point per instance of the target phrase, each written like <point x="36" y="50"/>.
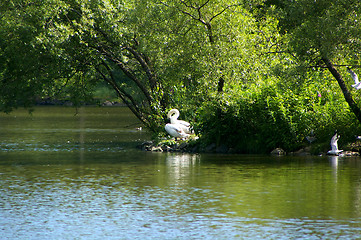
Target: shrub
<point x="259" y="121"/>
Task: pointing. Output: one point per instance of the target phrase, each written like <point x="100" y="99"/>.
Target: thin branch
<point x="195" y="18"/>
<point x="340" y="65"/>
<point x="347" y="94"/>
<point x="114" y="84"/>
<point x="121" y="93"/>
<point x="138" y="57"/>
<point x="129" y="74"/>
<point x="144" y="64"/>
<point x="111" y="56"/>
<point x="226" y="8"/>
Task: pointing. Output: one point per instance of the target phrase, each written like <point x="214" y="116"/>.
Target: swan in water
<point x="354" y="76"/>
<point x="175" y="130"/>
<point x="173" y="115"/>
<point x="334" y="147"/>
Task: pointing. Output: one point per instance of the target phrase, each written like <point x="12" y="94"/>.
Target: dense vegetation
<point x="252" y="75"/>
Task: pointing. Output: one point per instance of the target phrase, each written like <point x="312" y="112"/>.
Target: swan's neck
<point x="173" y="115"/>
<point x="173" y="118"/>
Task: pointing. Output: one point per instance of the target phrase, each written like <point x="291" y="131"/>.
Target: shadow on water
<point x="79" y="177"/>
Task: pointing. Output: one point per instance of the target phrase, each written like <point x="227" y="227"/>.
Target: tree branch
<point x="144" y="65"/>
<point x="111" y="56"/>
<point x="336" y="65"/>
<point x="346" y="93"/>
<point x="132" y="105"/>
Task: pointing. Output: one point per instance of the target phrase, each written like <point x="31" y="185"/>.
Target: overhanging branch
<point x="346" y="93"/>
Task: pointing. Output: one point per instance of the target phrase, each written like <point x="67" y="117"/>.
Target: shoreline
<point x="351" y="149"/>
<point x="185" y="147"/>
<point x="68" y="103"/>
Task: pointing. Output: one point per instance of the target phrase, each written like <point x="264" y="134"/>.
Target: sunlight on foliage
<point x="253" y="75"/>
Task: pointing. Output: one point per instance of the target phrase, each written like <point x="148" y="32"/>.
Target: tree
<point x="324" y="34"/>
<point x="66" y="47"/>
<point x="153" y="54"/>
<point x="221" y="62"/>
<point x="25" y="66"/>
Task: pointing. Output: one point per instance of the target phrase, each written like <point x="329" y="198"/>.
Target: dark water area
<point x="68" y="175"/>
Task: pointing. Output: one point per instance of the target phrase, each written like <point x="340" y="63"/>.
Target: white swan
<point x="354" y="76"/>
<point x="334" y="147"/>
<point x="175" y="130"/>
<point x="173" y="115"/>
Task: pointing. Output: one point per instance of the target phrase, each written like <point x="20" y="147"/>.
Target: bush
<point x="259" y="121"/>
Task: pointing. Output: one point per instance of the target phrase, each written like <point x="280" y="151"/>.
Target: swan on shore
<point x="173" y="115"/>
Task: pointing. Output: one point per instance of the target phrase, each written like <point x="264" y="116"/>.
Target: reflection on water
<point x="179" y="196"/>
<point x="88" y="182"/>
<point x="334" y="163"/>
<point x="181" y="167"/>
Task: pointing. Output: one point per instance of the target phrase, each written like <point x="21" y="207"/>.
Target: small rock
<point x="278" y="151"/>
<point x="351" y="154"/>
<point x="107" y="103"/>
<point x="146" y="146"/>
<point x="302" y="152"/>
<point x="166" y="148"/>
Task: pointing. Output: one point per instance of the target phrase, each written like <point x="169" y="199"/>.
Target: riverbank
<point x="68" y="103"/>
<point x="192" y="146"/>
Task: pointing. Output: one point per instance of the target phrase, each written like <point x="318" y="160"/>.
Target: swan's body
<point x="175" y="130"/>
<point x="354" y="76"/>
<point x="334" y="147"/>
<point x="173" y="115"/>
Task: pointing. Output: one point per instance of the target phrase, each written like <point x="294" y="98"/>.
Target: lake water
<point x="67" y="174"/>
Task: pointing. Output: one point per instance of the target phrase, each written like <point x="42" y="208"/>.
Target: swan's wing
<point x="353" y="75"/>
<point x="173" y="120"/>
<point x="186" y="126"/>
<point x="184" y="123"/>
<point x="175" y="130"/>
<point x="173" y="127"/>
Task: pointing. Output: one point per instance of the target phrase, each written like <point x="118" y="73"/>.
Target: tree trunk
<point x="346" y="93"/>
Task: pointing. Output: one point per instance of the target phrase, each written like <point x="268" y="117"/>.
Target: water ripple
<point x="105" y="147"/>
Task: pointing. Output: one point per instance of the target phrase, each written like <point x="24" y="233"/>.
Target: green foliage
<point x="239" y="72"/>
<point x="258" y="121"/>
<point x="103" y="92"/>
<point x="321" y="27"/>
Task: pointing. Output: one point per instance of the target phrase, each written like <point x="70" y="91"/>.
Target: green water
<point x="67" y="176"/>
